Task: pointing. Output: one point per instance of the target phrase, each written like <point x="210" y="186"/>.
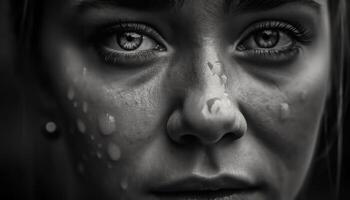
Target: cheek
<point x="285" y="119"/>
<point x="108" y="123"/>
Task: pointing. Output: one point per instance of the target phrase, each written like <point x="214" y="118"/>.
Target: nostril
<point x="189" y="139"/>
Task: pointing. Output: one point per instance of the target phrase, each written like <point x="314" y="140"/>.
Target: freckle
<point x="70" y="93"/>
<point x="107" y="124"/>
<point x="285" y="111"/>
<point x="81" y="168"/>
<point x="114" y="152"/>
<point x="85" y="107"/>
<point x="211" y="102"/>
<point x="81" y="126"/>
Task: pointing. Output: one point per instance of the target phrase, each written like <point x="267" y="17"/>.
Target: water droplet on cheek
<point x="114" y="152"/>
<point x="284" y="111"/>
<point x="99" y="155"/>
<point x="85" y="107"/>
<point x="50" y="127"/>
<point x="70" y="93"/>
<point x="107" y="124"/>
<point x="81" y="126"/>
<point x="124" y="184"/>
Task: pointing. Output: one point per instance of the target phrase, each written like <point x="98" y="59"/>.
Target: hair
<point x="27" y="14"/>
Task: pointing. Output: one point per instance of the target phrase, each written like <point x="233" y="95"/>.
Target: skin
<point x="197" y="109"/>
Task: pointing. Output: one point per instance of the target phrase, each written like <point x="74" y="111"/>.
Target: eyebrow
<point x="260" y="5"/>
<point x="145" y="5"/>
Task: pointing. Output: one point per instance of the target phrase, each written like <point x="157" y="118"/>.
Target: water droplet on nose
<point x="85" y="107"/>
<point x="216" y="68"/>
<point x="113" y="152"/>
<point x="107" y="124"/>
<point x="223" y="79"/>
<point x="70" y="93"/>
<point x="285" y="111"/>
<point x="81" y="126"/>
<point x="210" y="104"/>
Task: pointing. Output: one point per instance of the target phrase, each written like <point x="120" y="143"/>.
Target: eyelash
<point x="141" y="57"/>
<point x="297" y="33"/>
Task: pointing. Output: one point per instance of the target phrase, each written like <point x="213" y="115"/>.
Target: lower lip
<point x="225" y="194"/>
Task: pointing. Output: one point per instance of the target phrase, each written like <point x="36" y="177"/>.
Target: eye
<point x="267" y="39"/>
<point x="130" y="43"/>
<point x="272" y="41"/>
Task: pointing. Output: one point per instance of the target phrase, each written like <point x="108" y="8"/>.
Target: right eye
<point x="130" y="43"/>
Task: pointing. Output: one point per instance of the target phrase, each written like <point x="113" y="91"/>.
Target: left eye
<point x="266" y="40"/>
<point x="130" y="42"/>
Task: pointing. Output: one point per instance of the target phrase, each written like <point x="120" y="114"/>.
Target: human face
<point x="198" y="100"/>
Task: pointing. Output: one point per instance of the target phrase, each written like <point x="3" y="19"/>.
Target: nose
<point x="209" y="111"/>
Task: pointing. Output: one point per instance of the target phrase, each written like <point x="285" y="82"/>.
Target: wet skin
<point x="200" y="95"/>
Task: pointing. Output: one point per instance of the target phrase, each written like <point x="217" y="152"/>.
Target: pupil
<point x="129" y="41"/>
<point x="267" y="38"/>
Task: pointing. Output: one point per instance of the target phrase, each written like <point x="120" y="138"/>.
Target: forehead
<point x="237" y="5"/>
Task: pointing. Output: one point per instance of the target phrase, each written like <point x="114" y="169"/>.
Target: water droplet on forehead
<point x="81" y="126"/>
<point x="107" y="124"/>
<point x="70" y="93"/>
<point x="114" y="152"/>
<point x="284" y="111"/>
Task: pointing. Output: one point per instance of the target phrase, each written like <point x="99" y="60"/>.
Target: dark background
<point x="14" y="177"/>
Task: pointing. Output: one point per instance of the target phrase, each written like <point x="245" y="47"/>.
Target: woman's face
<point x="193" y="100"/>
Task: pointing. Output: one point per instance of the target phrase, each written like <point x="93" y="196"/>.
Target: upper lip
<point x="200" y="183"/>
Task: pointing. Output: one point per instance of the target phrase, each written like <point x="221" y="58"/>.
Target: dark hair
<point x="27" y="14"/>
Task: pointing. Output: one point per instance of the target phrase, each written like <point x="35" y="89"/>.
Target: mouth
<point x="202" y="188"/>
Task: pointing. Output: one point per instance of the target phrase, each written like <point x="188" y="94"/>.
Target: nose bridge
<point x="208" y="110"/>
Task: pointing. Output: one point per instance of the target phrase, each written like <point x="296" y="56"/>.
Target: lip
<point x="198" y="187"/>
